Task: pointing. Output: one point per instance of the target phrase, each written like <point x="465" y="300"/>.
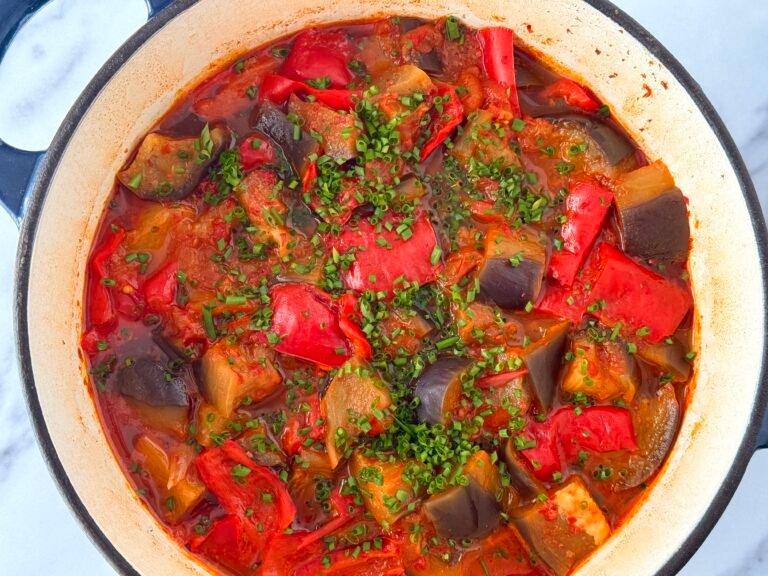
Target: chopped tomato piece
<point x="384" y="259"/>
<point x="307" y="324"/>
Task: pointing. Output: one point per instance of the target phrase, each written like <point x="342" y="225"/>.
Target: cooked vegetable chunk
<point x="653" y="214"/>
<point x="178" y="485"/>
<point x="152" y="382"/>
<point x="354" y="404"/>
<point x="602" y="369"/>
<point x="232" y="374"/>
<point x="167" y="169"/>
<point x="386" y="492"/>
<point x="543" y="360"/>
<point x="655" y="421"/>
<point x="586" y="207"/>
<point x="439" y="388"/>
<point x="636" y="297"/>
<point x="296" y="144"/>
<point x="565" y="528"/>
<point x="469" y="511"/>
<point x="337" y="132"/>
<point x="513" y="271"/>
<point x="390" y="257"/>
<point x="307" y="325"/>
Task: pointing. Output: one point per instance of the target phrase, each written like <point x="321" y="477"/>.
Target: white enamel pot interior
<point x="657" y="103"/>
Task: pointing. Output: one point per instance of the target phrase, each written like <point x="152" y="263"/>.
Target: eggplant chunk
<point x="565" y="528"/>
<point x="670" y="358"/>
<point x="439" y="388"/>
<point x="469" y="511"/>
<point x="381" y="482"/>
<point x="615" y="146"/>
<point x="543" y="360"/>
<point x="602" y="370"/>
<point x="167" y="168"/>
<point x="350" y="404"/>
<point x="338" y="131"/>
<point x="526" y="485"/>
<point x="657" y="228"/>
<point x="431" y="62"/>
<point x="149" y="381"/>
<point x="513" y="270"/>
<point x="296" y="144"/>
<point x="655" y="422"/>
<point x="230" y="374"/>
<point x="653" y="215"/>
<point x="404" y="80"/>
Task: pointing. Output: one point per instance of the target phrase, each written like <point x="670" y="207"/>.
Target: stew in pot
<point x="391" y="297"/>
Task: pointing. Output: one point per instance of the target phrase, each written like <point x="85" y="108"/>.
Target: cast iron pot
<point x="592" y="41"/>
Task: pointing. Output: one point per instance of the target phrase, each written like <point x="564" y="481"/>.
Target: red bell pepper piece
<point x="233" y="89"/>
<point x="349" y="322"/>
<point x="586" y="207"/>
<point x="498" y="46"/>
<point x="447" y="116"/>
<point x="309" y="176"/>
<point x="160" y="288"/>
<point x="320" y="53"/>
<point x="251" y="493"/>
<point x="573" y="93"/>
<point x="567" y="432"/>
<point x="385" y="261"/>
<point x="292" y="440"/>
<point x="308" y="325"/>
<point x="255" y="151"/>
<point x="277" y="89"/>
<point x="635" y="296"/>
<point x="499" y="380"/>
<point x="101" y="310"/>
<point x="227" y="543"/>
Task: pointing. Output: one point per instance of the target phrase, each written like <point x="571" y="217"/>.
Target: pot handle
<point x="18" y="168"/>
<point x="156" y="6"/>
<point x="762" y="437"/>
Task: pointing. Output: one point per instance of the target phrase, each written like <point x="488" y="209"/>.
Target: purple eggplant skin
<point x="511" y="287"/>
<point x="527" y="487"/>
<point x="149" y="381"/>
<point x="657" y="229"/>
<point x="431" y="62"/>
<point x="614" y="145"/>
<point x="439" y="386"/>
<point x="656" y="421"/>
<point x="543" y="360"/>
<point x="269" y="119"/>
<point x="464" y="511"/>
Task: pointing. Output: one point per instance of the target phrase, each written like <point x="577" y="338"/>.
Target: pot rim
<point x="36" y="203"/>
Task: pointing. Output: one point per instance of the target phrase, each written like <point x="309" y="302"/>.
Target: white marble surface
<point x="723" y="47"/>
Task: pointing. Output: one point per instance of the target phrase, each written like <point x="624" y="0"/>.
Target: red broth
<point x="390" y="297"/>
